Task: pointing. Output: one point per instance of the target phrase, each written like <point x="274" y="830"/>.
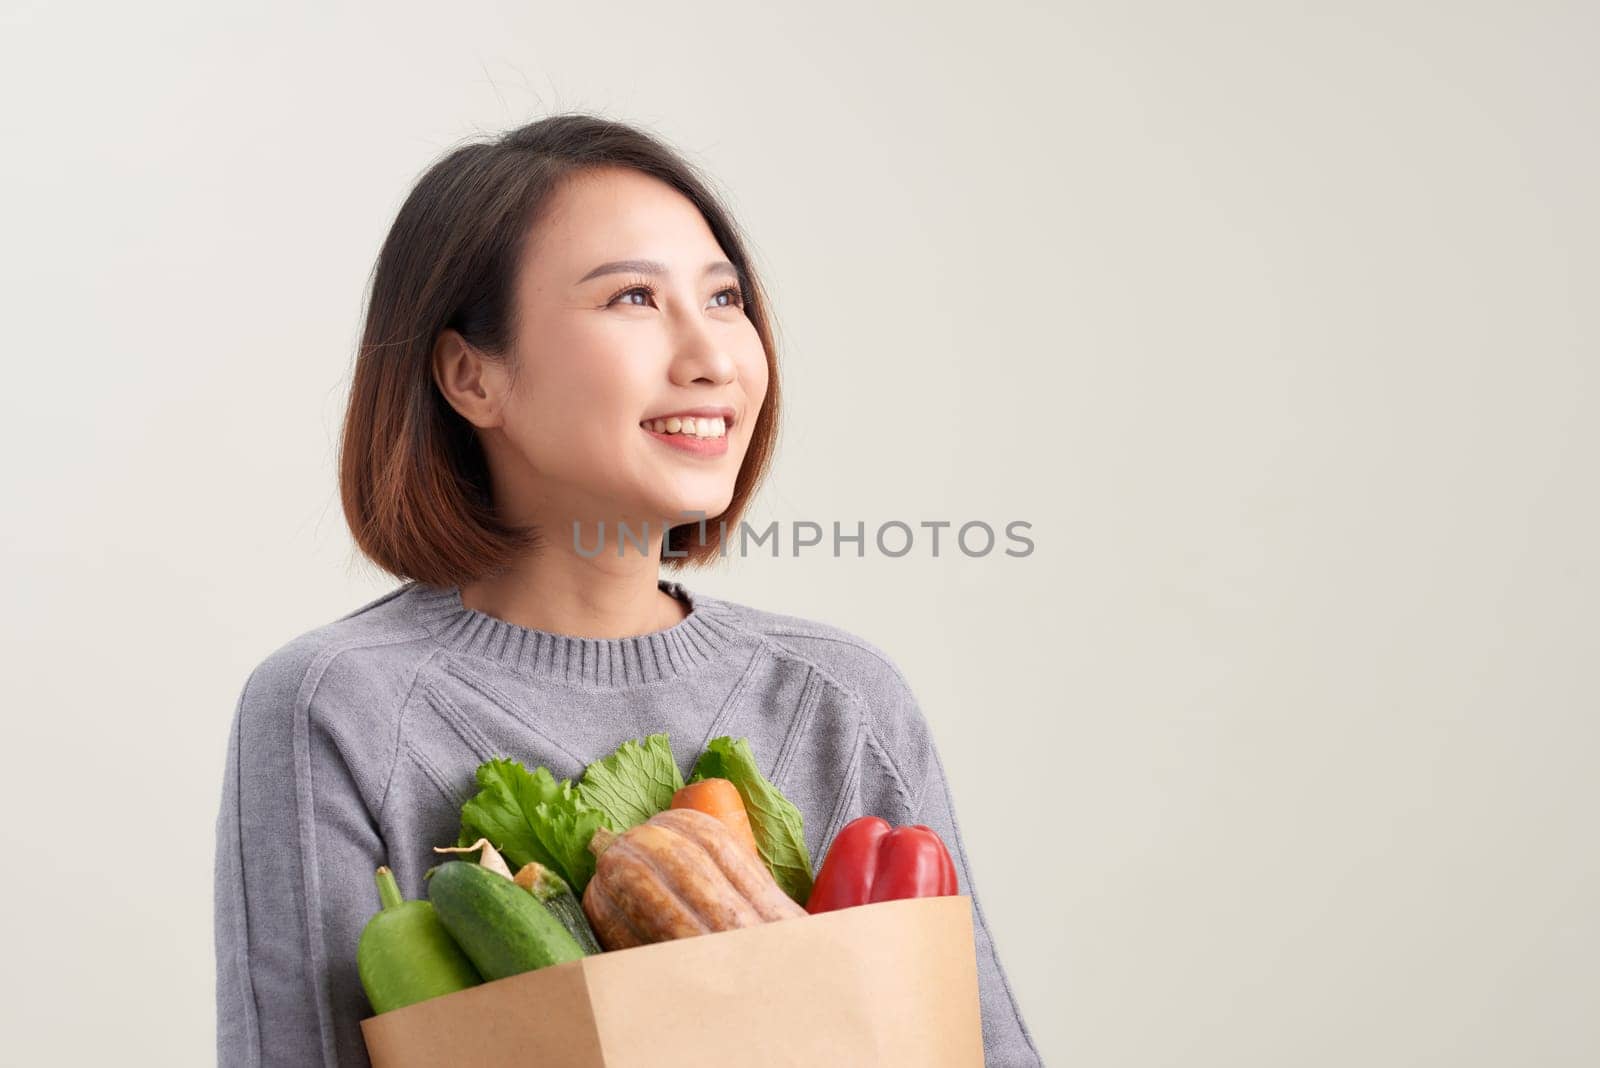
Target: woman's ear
<point x="473" y="384"/>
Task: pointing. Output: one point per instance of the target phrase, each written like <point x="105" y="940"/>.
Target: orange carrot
<point x="719" y="798"/>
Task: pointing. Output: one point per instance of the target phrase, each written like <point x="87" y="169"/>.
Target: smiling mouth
<point x="702" y="427"/>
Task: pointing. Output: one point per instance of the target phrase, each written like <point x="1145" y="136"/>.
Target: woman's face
<point x="604" y="349"/>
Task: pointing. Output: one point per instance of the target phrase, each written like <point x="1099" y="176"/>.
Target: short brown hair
<point x="412" y="474"/>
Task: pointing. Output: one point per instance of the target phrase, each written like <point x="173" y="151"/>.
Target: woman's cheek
<point x="753" y="374"/>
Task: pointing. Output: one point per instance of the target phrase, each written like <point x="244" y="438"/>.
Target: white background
<point x="1278" y="327"/>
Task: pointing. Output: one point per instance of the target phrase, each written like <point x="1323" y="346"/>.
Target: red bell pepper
<point x="871" y="861"/>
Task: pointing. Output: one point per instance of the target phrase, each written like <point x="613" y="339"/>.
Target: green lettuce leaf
<point x="529" y="816"/>
<point x="632" y="784"/>
<point x="777" y="823"/>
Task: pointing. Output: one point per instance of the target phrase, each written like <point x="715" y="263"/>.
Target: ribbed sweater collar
<point x="700" y="636"/>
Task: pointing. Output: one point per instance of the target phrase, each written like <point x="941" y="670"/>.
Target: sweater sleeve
<point x="920" y="793"/>
<point x="295" y="847"/>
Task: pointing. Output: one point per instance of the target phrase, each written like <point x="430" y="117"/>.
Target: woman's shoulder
<point x="359" y="655"/>
<point x="863" y="670"/>
<point x="860" y="664"/>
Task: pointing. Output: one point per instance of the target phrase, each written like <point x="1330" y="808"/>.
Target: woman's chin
<point x="687" y="508"/>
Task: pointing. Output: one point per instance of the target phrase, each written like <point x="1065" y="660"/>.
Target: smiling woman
<point x="564" y="328"/>
<point x="528" y="231"/>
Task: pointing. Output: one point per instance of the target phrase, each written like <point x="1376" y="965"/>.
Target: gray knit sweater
<point x="355" y="745"/>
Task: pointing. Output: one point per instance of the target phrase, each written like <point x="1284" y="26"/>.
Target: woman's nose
<point x="700" y="358"/>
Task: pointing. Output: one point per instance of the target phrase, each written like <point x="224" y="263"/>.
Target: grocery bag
<point x="886" y="984"/>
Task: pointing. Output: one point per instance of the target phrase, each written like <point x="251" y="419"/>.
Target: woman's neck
<point x="565" y="593"/>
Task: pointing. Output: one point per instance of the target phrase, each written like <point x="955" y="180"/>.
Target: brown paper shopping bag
<point x="891" y="983"/>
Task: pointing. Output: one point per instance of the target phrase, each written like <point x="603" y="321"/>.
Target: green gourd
<point x="405" y="955"/>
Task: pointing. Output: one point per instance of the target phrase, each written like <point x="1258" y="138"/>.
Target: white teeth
<point x="700" y="427"/>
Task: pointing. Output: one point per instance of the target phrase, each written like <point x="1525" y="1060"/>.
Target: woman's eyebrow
<point x="655" y="268"/>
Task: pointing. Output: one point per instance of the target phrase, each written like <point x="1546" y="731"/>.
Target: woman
<point x="565" y="350"/>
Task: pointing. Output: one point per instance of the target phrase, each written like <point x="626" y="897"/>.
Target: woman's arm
<point x="908" y="785"/>
<point x="1006" y="1041"/>
<point x="296" y="852"/>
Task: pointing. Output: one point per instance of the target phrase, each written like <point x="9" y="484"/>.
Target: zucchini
<point x="405" y="955"/>
<point x="558" y="897"/>
<point x="501" y="927"/>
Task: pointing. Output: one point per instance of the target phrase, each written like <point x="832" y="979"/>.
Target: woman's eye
<point x="734" y="292"/>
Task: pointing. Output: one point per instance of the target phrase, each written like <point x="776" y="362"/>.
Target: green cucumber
<point x="558" y="897"/>
<point x="405" y="955"/>
<point x="501" y="927"/>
